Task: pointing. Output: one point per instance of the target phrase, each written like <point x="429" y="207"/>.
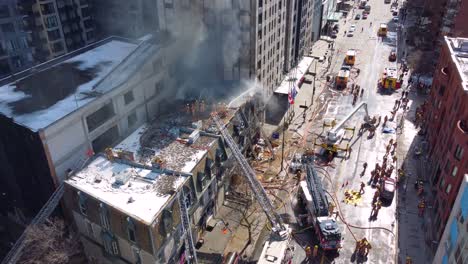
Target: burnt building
<point x="446" y="123"/>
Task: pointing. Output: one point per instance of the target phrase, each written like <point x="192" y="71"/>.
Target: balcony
<point x="462" y="126"/>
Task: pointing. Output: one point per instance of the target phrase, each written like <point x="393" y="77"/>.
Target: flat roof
<point x="142" y="196"/>
<point x="459" y="50"/>
<point x="167" y="139"/>
<point x="294" y="76"/>
<point x="274" y="250"/>
<point x="46" y="95"/>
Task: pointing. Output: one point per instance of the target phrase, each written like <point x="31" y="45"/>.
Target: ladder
<point x="318" y="195"/>
<point x="15" y="252"/>
<point x="257" y="188"/>
<point x="189" y="246"/>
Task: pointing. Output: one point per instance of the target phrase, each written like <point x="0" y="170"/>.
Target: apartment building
<point x="56" y="115"/>
<point x="446" y="119"/>
<point x="241" y="40"/>
<point x="57" y="26"/>
<point x="453" y="246"/>
<point x="131" y="19"/>
<point x="127" y="203"/>
<point x="15" y="54"/>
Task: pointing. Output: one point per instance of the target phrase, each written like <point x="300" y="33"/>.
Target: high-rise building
<point x="131" y="19"/>
<point x="15" y="54"/>
<point x="446" y="123"/>
<point x="243" y="39"/>
<point x="57" y="26"/>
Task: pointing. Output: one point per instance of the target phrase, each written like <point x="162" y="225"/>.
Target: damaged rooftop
<point x="46" y="93"/>
<point x="177" y="141"/>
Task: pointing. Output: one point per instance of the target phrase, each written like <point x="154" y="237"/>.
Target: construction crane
<point x="325" y="226"/>
<point x="189" y="245"/>
<point x="257" y="189"/>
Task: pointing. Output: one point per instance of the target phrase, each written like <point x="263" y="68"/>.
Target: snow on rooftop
<point x="294" y="76"/>
<point x="141" y="197"/>
<point x="459" y="51"/>
<point x="44" y="97"/>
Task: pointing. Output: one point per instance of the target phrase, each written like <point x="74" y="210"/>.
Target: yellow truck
<point x="341" y="80"/>
<point x="389" y="79"/>
<point x="382" y="30"/>
<point x="350" y="58"/>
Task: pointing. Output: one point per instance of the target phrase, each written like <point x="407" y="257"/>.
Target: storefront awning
<point x="334" y="16"/>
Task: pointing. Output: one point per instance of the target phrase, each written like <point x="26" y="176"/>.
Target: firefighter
<point x="394" y="159"/>
<point x="331" y="208"/>
<point x="421" y="207"/>
<point x="385" y="120"/>
<point x="364" y="166"/>
<point x="308" y="252"/>
<point x="362" y="92"/>
<point x="361" y="191"/>
<point x="375" y="209"/>
<point x="376" y="195"/>
<point x="349" y="152"/>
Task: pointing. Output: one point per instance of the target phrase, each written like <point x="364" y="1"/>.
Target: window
<point x="106" y="139"/>
<point x="128" y="97"/>
<point x="89" y="228"/>
<point x="82" y="203"/>
<point x="449" y="187"/>
<point x="459" y="152"/>
<point x="4" y="11"/>
<point x="132" y="119"/>
<point x="104" y="216"/>
<point x="51" y="21"/>
<point x="47" y="8"/>
<point x="110" y="243"/>
<point x="454" y="171"/>
<point x="99" y="117"/>
<point x="441" y="90"/>
<point x="131" y="230"/>
<point x="447" y="166"/>
<point x="53" y="35"/>
<point x="442" y="183"/>
<point x="8" y="28"/>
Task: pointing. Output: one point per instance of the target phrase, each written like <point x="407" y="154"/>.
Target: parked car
<point x="352" y="28"/>
<point x="364" y="15"/>
<point x="388" y="189"/>
<point x="395" y="19"/>
<point x="357" y="17"/>
<point x="395" y="13"/>
<point x="367" y="8"/>
<point x="334" y="34"/>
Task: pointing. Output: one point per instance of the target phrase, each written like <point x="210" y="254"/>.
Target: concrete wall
<point x="69" y="140"/>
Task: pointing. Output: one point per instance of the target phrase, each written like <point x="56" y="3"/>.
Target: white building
<point x="61" y="112"/>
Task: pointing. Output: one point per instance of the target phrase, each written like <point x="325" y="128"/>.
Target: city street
<point x="345" y="174"/>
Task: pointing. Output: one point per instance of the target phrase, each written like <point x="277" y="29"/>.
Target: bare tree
<point x="51" y="242"/>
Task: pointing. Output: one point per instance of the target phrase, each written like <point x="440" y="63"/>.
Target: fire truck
<point x="313" y="195"/>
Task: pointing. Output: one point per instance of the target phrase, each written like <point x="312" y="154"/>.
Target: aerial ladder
<point x="337" y="132"/>
<point x="188" y="240"/>
<point x="257" y="189"/>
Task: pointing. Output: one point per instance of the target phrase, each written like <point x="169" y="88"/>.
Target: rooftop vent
<point x="123" y="176"/>
<point x="194" y="136"/>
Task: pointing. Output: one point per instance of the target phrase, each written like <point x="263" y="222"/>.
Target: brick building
<point x="446" y="118"/>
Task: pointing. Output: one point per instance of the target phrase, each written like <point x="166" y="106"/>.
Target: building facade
<point x="453" y="246"/>
<point x="237" y="40"/>
<point x="57" y="26"/>
<point x="15" y="54"/>
<point x="130" y="19"/>
<point x="446" y="117"/>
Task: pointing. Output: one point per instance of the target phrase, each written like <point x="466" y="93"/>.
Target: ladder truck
<point x="275" y="250"/>
<point x="313" y="195"/>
